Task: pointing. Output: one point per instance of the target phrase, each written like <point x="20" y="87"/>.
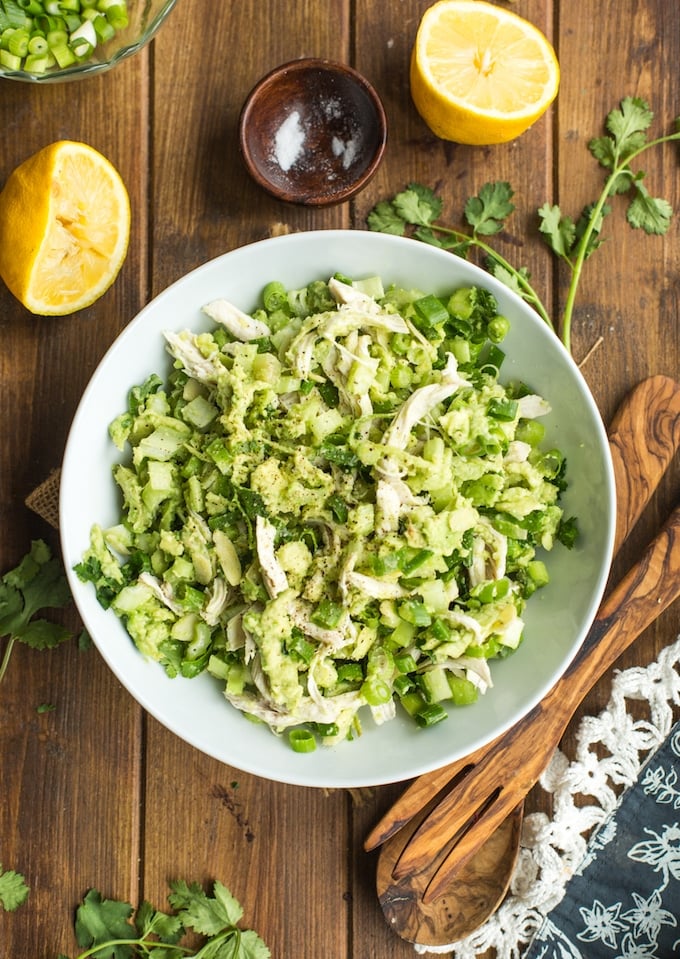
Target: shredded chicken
<point x="274" y="576"/>
<point x="421" y="402"/>
<point x="163" y="593"/>
<point x="517" y="452"/>
<point x="217" y="601"/>
<point x="241" y="326"/>
<point x="376" y="588"/>
<point x="489" y="554"/>
<point x="531" y="406"/>
<point x="349" y="296"/>
<point x="183" y="347"/>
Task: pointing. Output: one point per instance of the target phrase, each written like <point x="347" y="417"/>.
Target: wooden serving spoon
<point x="643" y="437"/>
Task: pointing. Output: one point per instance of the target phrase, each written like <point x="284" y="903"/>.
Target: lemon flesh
<point x="64" y="228"/>
<point x="480" y="74"/>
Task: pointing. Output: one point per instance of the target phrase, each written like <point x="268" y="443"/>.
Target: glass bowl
<point x="144" y="19"/>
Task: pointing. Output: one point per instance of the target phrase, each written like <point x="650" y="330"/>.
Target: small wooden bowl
<point x="312" y="132"/>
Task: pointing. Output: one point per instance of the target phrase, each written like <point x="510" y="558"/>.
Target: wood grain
<point x="95" y="793"/>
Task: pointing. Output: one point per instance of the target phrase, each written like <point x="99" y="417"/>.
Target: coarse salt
<point x="347" y="149"/>
<point x="289" y="141"/>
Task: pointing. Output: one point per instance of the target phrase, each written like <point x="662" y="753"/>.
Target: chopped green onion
<point x="327" y="729"/>
<point x="18" y="43"/>
<point x="327" y="614"/>
<point x="440" y="631"/>
<point x="492" y="357"/>
<point x="117" y="16"/>
<point x="431" y="714"/>
<point x="414" y="611"/>
<point x="38" y="45"/>
<point x="56" y="33"/>
<point x="63" y="55"/>
<point x="405" y="663"/>
<point x="376" y="692"/>
<point x="350" y="673"/>
<point x="503" y="410"/>
<point x="492" y="591"/>
<point x="10" y="60"/>
<point x="37" y="62"/>
<point x="302" y="740"/>
<point x="403" y="685"/>
<point x="299" y="647"/>
<point x="275" y="297"/>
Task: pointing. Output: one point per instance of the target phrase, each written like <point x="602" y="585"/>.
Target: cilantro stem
<point x="594" y="218"/>
<point x="112" y="943"/>
<point x="6" y="657"/>
<point x="528" y="292"/>
<point x="143" y="943"/>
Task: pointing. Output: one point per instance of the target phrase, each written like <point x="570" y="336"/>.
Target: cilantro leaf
<point x="13" y="889"/>
<point x="629" y="124"/>
<point x="418" y="205"/>
<point x="415" y="211"/>
<point x="37" y="583"/>
<point x="383" y="218"/>
<point x="487" y="212"/>
<point x="252" y="947"/>
<point x="150" y="921"/>
<point x="201" y="913"/>
<point x="40" y="634"/>
<point x="103" y="922"/>
<point x="651" y="214"/>
<point x="559" y="231"/>
<point x="107" y="928"/>
<point x="509" y="278"/>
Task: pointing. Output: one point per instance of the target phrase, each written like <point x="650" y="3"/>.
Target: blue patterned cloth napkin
<point x="624" y="900"/>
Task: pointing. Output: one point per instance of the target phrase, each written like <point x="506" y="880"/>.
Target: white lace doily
<point x="553" y="849"/>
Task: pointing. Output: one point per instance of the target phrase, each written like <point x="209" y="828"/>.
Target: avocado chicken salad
<point x="333" y="503"/>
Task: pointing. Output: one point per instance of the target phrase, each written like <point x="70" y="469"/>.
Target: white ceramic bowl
<point x="557" y="617"/>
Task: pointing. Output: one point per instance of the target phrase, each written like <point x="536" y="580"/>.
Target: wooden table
<point x="95" y="793"/>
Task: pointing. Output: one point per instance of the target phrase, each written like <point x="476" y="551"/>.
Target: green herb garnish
<point x="415" y="211"/>
<point x="110" y="929"/>
<point x="37" y="583"/>
<point x="13" y="889"/>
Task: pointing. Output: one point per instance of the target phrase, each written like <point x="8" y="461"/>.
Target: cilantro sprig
<point x="13" y="889"/>
<point x="415" y="211"/>
<point x="37" y="583"/>
<point x="111" y="929"/>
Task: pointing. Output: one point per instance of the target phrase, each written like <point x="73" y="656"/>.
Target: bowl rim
<point x="298" y="65"/>
<point x="287" y="766"/>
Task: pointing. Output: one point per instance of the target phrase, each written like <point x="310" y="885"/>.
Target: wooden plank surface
<point x="95" y="793"/>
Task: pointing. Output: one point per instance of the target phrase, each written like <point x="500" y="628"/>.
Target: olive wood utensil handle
<point x="643" y="437"/>
<point x="482" y="799"/>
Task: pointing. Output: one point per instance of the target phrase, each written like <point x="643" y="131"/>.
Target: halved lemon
<point x="480" y="74"/>
<point x="64" y="228"/>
